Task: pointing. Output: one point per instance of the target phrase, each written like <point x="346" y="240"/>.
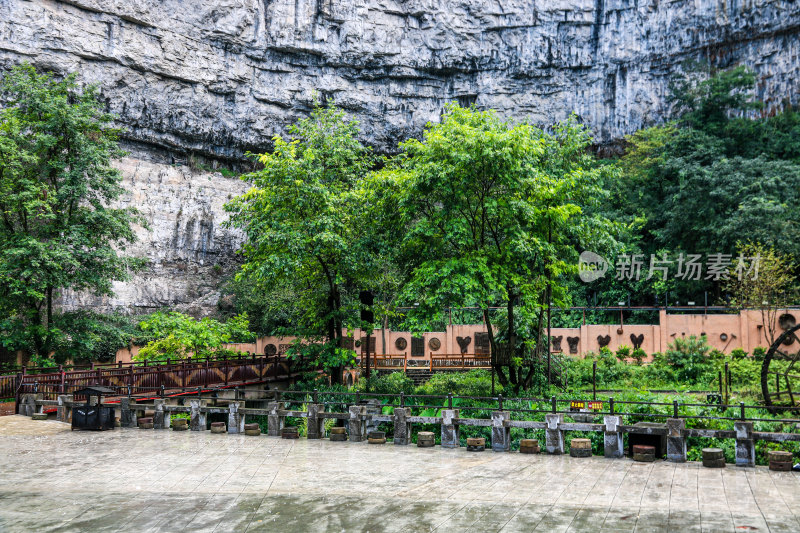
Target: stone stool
<point x="476" y="444"/>
<point x="580" y="448"/>
<point x="643" y="453"/>
<point x="218" y="427"/>
<point x="179" y="424"/>
<point x="338" y="434"/>
<point x="252" y="430"/>
<point x="529" y="446"/>
<point x="425" y="439"/>
<point x="290" y="432"/>
<point x="39" y="416"/>
<point x="780" y="461"/>
<point x="713" y="458"/>
<point x="376" y="437"/>
<point x="145" y="423"/>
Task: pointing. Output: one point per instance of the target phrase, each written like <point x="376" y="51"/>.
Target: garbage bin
<point x="93" y="416"/>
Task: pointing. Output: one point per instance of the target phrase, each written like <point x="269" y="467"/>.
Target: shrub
<point x="623" y="352"/>
<point x="759" y="352"/>
<point x="738" y="353"/>
<point x="393" y="383"/>
<point x="639" y="355"/>
<point x="472" y="383"/>
<point x="689" y="357"/>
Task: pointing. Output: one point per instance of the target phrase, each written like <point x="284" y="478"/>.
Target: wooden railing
<point x="150" y="378"/>
<point x="436" y="362"/>
<point x="385" y="361"/>
<point x="460" y="361"/>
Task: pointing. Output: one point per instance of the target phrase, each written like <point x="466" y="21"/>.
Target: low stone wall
<point x="357" y="419"/>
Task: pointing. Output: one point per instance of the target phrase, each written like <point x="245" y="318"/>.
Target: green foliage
<point x="178" y="336"/>
<point x="56" y="184"/>
<point x="699" y="185"/>
<point x="623" y="352"/>
<point x="708" y="104"/>
<point x="688" y="357"/>
<point x="493" y="211"/>
<point x="87" y="336"/>
<point x="393" y="383"/>
<point x="472" y="383"/>
<point x="300" y="218"/>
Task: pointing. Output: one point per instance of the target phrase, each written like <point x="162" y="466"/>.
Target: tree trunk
<point x="493" y="347"/>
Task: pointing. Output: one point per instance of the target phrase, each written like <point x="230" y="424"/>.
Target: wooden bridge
<point x="148" y="379"/>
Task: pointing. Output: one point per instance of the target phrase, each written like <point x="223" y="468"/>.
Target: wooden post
<point x="63" y="376"/>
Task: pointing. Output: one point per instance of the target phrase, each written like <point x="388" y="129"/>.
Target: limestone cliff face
<point x="220" y="77"/>
<point x="223" y="76"/>
<point x="189" y="251"/>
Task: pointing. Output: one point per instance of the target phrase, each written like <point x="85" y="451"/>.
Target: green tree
<point x="178" y="336"/>
<point x="494" y="214"/>
<point x="769" y="286"/>
<point x="302" y="222"/>
<point x="57" y="230"/>
<point x="711" y="179"/>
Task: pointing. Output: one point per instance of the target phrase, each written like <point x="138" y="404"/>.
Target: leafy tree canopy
<point x="57" y="230"/>
<point x="178" y="336"/>
<point x="494" y="213"/>
<point x="302" y="222"/>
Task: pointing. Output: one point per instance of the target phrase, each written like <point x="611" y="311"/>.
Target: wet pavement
<point x="52" y="479"/>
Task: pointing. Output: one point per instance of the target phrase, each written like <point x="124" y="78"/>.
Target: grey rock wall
<point x="189" y="251"/>
<point x="220" y="77"/>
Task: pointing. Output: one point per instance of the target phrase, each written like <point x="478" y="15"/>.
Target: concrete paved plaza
<point x="146" y="480"/>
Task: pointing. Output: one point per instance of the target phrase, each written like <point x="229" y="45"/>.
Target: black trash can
<point x="95" y="417"/>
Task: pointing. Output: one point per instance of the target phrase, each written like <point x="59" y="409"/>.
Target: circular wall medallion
<point x="723" y="337"/>
<point x="358" y="344"/>
<point x="401" y="343"/>
<point x="270" y="349"/>
<point x="434" y="344"/>
<point x="786" y="322"/>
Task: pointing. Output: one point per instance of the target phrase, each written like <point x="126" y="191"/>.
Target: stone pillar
<point x="127" y="415"/>
<point x="450" y="431"/>
<point x="197" y="421"/>
<point x="554" y="437"/>
<point x="402" y="427"/>
<point x="356" y="423"/>
<point x="161" y="418"/>
<point x="64" y="411"/>
<point x="274" y="420"/>
<point x="612" y="443"/>
<point x="501" y="435"/>
<point x="316" y="424"/>
<point x="676" y="442"/>
<point x="235" y="417"/>
<point x="28" y="404"/>
<point x="745" y="444"/>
